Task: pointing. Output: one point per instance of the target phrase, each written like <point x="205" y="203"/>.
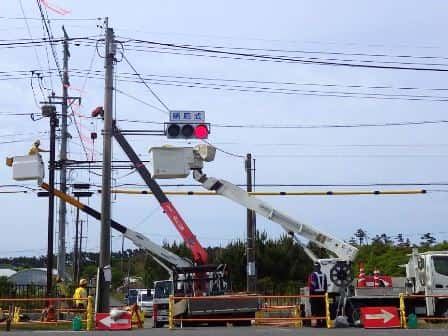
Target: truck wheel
<point x="157" y="324"/>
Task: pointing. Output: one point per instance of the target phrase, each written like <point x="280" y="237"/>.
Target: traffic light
<point x="179" y="130"/>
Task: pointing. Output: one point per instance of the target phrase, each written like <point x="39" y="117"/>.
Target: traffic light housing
<point x="187" y="130"/>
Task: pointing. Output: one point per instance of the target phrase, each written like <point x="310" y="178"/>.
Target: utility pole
<point x="78" y="266"/>
<point x="63" y="158"/>
<point x="75" y="249"/>
<point x="251" y="280"/>
<point x="50" y="112"/>
<point x="104" y="274"/>
<point x="122" y="252"/>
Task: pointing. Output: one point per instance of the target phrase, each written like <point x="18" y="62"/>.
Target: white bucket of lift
<point x="28" y="167"/>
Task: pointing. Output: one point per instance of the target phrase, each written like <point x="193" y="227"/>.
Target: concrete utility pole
<point x="63" y="158"/>
<point x="251" y="234"/>
<point x="104" y="275"/>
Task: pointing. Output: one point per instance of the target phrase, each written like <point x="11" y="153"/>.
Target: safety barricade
<point x="50" y="312"/>
<point x="268" y="310"/>
<point x="429" y="300"/>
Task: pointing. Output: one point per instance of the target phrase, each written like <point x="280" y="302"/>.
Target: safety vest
<point x="318" y="282"/>
<point x="80" y="293"/>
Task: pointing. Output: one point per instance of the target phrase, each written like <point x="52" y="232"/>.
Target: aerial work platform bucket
<point x="28" y="167"/>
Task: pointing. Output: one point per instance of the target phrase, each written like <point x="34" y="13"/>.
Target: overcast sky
<point x="386" y="36"/>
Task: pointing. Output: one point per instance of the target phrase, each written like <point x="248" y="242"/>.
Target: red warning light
<point x="201" y="132"/>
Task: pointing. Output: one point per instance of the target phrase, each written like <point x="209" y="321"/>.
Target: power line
<point x="144" y="82"/>
<point x="139" y="100"/>
<point x="53" y="19"/>
<point x="208" y="83"/>
<point x="367" y="156"/>
<point x="318" y="93"/>
<point x="47" y="28"/>
<point x="318" y="42"/>
<point x="297" y="58"/>
<point x="286" y="58"/>
<point x="125" y="75"/>
<point x="31" y="37"/>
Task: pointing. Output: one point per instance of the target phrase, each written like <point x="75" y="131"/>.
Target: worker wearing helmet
<point x="317" y="284"/>
<point x="80" y="295"/>
<point x="35" y="148"/>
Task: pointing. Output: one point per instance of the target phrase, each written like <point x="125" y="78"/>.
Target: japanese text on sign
<point x="187" y="116"/>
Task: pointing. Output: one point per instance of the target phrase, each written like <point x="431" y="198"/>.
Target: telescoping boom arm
<point x="341" y="249"/>
<point x="199" y="254"/>
<point x="137" y="238"/>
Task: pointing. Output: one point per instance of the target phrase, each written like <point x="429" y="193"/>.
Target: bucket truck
<point x="337" y="269"/>
<point x="426" y="273"/>
<point x="198" y="279"/>
<point x="183" y="273"/>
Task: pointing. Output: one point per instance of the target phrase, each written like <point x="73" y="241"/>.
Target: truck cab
<point x="162" y="290"/>
<point x="427" y="273"/>
<point x="145" y="301"/>
<point x="131" y="296"/>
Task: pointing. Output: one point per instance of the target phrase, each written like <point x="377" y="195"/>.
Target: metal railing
<point x="44" y="311"/>
<point x="270" y="310"/>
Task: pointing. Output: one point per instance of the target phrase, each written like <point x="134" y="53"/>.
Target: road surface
<point x="248" y="331"/>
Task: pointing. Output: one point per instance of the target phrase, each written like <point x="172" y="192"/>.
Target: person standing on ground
<point x="317" y="284"/>
<point x="80" y="295"/>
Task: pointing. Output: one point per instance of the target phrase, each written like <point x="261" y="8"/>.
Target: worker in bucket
<point x="80" y="295"/>
<point x="35" y="148"/>
<point x="317" y="284"/>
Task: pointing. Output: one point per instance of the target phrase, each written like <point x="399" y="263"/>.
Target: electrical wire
<point x="214" y="83"/>
<point x="288" y="58"/>
<point x="144" y="83"/>
<point x="282" y="58"/>
<point x="139" y="100"/>
<point x="53" y="19"/>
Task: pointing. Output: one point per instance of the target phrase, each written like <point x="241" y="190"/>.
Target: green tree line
<point x="282" y="265"/>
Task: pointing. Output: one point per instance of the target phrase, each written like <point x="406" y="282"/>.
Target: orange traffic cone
<point x="361" y="275"/>
<point x="376" y="277"/>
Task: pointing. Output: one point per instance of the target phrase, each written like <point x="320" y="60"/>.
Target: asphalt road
<point x="248" y="331"/>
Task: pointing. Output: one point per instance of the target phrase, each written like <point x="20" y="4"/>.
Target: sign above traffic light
<point x="187" y="125"/>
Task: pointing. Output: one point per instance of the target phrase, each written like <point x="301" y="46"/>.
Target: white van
<point x="144" y="300"/>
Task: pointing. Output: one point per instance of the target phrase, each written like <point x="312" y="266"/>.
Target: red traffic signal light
<point x="201" y="131"/>
<point x="174" y="130"/>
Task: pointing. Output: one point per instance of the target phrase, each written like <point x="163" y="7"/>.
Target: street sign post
<point x="380" y="317"/>
<point x="105" y="322"/>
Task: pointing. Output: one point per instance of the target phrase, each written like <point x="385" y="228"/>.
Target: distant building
<point x="35" y="276"/>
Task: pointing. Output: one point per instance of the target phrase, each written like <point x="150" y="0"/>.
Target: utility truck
<point x="189" y="278"/>
<point x="426" y="273"/>
<point x="337" y="268"/>
<point x="186" y="278"/>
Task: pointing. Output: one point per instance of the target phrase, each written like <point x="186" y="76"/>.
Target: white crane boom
<point x="341" y="249"/>
<point x="156" y="250"/>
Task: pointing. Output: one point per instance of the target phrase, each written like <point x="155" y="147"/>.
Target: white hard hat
<point x="37" y="142"/>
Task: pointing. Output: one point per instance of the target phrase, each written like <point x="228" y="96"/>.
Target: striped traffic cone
<point x="361" y="275"/>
